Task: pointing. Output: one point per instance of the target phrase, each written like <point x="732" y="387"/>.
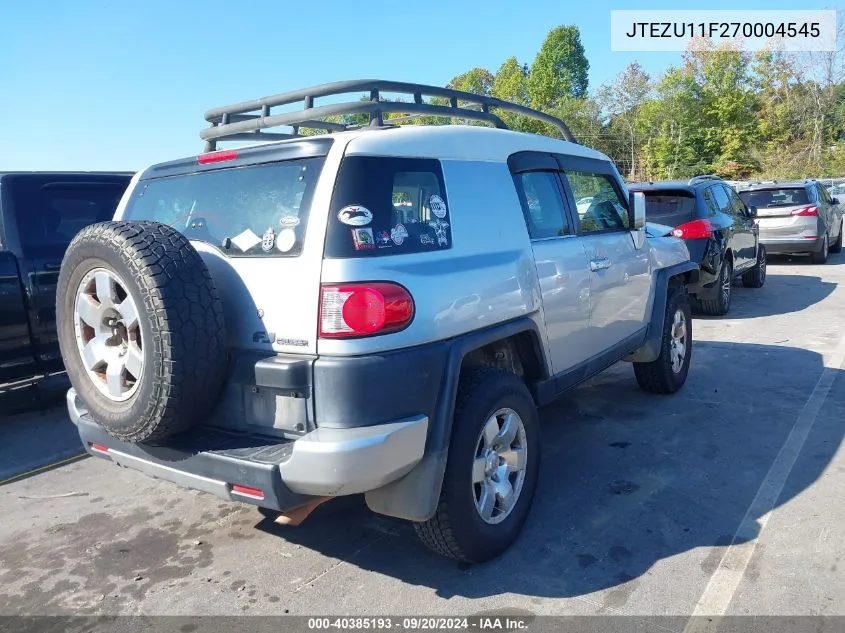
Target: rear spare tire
<point x="141" y="329"/>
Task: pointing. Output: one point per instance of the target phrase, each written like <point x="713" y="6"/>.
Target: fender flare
<point x="415" y="496"/>
<point x="650" y="349"/>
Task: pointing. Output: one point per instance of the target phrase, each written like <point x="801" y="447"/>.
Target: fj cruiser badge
<point x="438" y="207"/>
<point x="355" y="215"/>
<point x="268" y="240"/>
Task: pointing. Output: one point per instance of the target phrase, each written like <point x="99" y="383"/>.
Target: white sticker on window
<point x="438" y="206"/>
<point x="246" y="240"/>
<point x="285" y="240"/>
<point x="355" y="215"/>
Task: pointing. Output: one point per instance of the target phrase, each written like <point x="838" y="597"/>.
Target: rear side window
<point x="669" y="207"/>
<point x="722" y="199"/>
<point x="388" y="206"/>
<point x="49" y="213"/>
<point x="252" y="211"/>
<point x="782" y="197"/>
<point x="542" y="204"/>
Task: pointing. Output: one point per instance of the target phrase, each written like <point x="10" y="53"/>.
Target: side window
<point x="710" y="202"/>
<point x="388" y="206"/>
<point x="824" y="194"/>
<point x="542" y="204"/>
<point x="600" y="208"/>
<point x="737" y="204"/>
<point x="722" y="199"/>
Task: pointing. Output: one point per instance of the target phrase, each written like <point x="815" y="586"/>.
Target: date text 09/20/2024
<point x="384" y="623"/>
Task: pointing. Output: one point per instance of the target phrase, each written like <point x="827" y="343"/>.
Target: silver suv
<point x="796" y="217"/>
<point x="378" y="309"/>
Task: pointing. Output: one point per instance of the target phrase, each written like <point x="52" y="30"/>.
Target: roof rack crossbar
<point x="250" y="117"/>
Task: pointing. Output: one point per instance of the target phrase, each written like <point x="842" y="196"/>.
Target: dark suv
<point x="796" y="217"/>
<point x="719" y="230"/>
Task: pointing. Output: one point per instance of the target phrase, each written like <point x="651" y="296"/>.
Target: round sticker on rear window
<point x="285" y="240"/>
<point x="438" y="207"/>
<point x="355" y="215"/>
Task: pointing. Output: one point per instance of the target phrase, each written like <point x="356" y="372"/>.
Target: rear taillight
<point x="364" y="309"/>
<point x="217" y="157"/>
<point x="806" y="211"/>
<point x="694" y="230"/>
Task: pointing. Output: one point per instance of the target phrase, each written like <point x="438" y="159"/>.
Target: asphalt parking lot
<point x="728" y="498"/>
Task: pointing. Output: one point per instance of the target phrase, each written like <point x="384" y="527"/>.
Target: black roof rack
<point x="703" y="178"/>
<point x="245" y="121"/>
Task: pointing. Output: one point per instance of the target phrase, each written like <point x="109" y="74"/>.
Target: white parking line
<point x="725" y="580"/>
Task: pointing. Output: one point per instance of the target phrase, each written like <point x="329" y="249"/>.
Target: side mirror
<point x="752" y="211"/>
<point x="637" y="203"/>
<point x="834" y="200"/>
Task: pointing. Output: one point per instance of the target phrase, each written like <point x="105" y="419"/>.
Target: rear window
<point x="257" y="210"/>
<point x="388" y="206"/>
<point x="50" y="212"/>
<point x="669" y="207"/>
<point x="768" y="198"/>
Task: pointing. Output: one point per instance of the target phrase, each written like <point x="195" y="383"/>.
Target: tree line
<point x="768" y="114"/>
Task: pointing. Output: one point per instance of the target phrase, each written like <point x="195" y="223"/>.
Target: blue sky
<point x="117" y="85"/>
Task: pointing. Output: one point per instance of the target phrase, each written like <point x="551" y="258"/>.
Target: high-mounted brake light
<point x="364" y="309"/>
<point x="806" y="211"/>
<point x="694" y="230"/>
<point x="217" y="157"/>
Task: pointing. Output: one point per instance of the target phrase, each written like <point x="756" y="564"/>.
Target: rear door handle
<point x="600" y="263"/>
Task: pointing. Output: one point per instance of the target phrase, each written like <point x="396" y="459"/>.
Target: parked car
<point x="719" y="231"/>
<point x="796" y="217"/>
<point x="40" y="212"/>
<point x="258" y="324"/>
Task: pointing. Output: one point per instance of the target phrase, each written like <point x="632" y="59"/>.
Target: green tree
<point x="478" y="81"/>
<point x="560" y="69"/>
<point x="622" y="99"/>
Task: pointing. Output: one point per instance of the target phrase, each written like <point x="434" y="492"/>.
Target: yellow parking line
<point x="61" y="462"/>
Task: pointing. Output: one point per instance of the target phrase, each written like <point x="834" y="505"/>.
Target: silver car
<point x="796" y="217"/>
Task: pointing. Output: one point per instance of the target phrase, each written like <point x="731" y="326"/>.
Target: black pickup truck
<point x="40" y="212"/>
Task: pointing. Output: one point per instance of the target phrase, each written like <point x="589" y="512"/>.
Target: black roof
<point x="95" y="174"/>
<point x="675" y="185"/>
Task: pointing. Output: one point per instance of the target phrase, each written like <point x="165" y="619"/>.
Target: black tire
<point x="722" y="303"/>
<point x="659" y="376"/>
<point x="457" y="530"/>
<point x="836" y="247"/>
<point x="756" y="277"/>
<point x="180" y="321"/>
<point x="820" y="256"/>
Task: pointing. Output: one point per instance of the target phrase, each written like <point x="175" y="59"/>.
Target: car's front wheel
<point x="668" y="372"/>
<point x="492" y="468"/>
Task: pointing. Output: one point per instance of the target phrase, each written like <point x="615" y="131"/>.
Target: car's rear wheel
<point x="492" y="468"/>
<point x="720" y="305"/>
<point x="756" y="277"/>
<point x="668" y="373"/>
<point x="141" y="329"/>
<point x="820" y="256"/>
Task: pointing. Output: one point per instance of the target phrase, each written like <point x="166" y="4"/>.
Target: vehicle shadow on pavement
<point x="628" y="481"/>
<point x="782" y="294"/>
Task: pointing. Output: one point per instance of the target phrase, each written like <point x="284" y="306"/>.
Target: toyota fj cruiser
<point x="379" y="309"/>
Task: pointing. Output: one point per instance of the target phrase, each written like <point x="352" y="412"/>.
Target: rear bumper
<point x="324" y="462"/>
<point x="791" y="245"/>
